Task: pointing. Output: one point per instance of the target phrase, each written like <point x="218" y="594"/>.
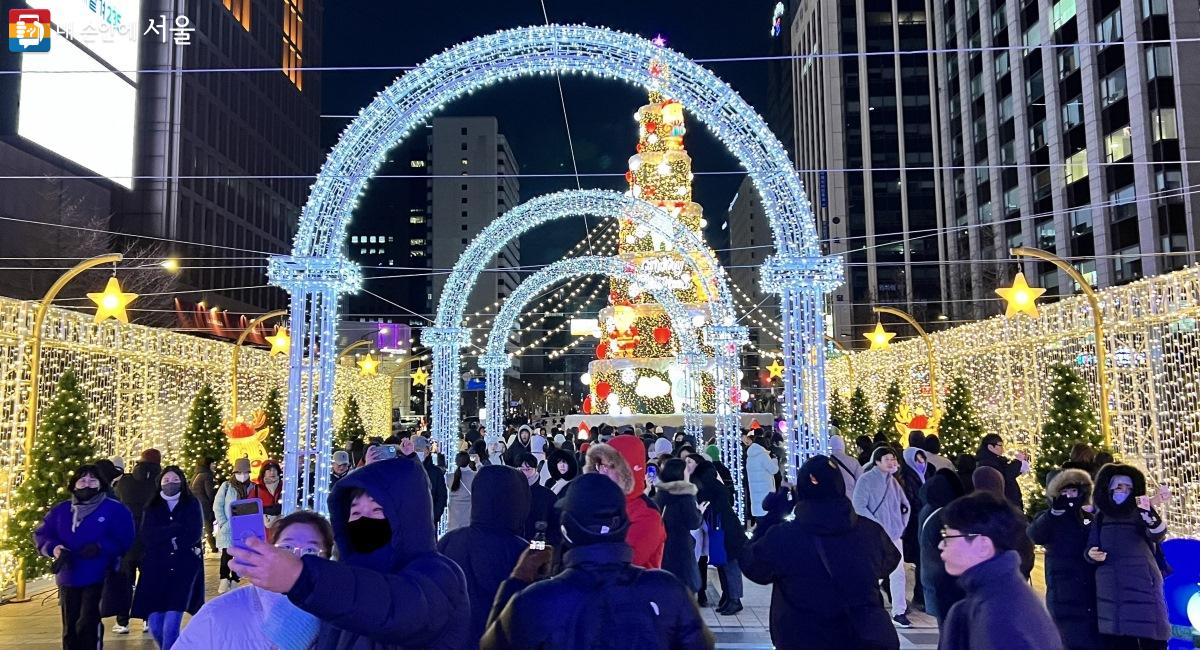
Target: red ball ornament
<point x="651" y="127"/>
<point x="603" y="390"/>
<point x="638" y="147"/>
<point x="628" y="177"/>
<point x="587" y="405"/>
<point x="662" y="335"/>
<point x="602" y="350"/>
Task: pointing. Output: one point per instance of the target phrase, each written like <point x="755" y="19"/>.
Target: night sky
<point x="391" y="33"/>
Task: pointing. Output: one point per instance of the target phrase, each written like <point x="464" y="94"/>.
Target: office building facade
<point x="865" y="150"/>
<point x="1064" y="129"/>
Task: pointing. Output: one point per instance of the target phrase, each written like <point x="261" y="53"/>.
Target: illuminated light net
<point x="798" y="272"/>
<point x="1152" y="334"/>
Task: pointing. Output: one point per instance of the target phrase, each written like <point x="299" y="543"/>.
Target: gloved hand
<point x="1063" y="502"/>
<point x="89" y="551"/>
<point x="533" y="565"/>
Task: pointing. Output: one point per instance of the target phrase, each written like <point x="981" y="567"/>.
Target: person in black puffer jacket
<point x="134" y="490"/>
<point x="824" y="567"/>
<point x="991" y="454"/>
<point x="1130" y="604"/>
<point x="390" y="588"/>
<point x="720" y="514"/>
<point x="488" y="548"/>
<point x="941" y="589"/>
<point x="600" y="601"/>
<point x="1070" y="579"/>
<point x="676" y="499"/>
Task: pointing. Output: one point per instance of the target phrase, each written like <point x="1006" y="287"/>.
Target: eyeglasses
<point x="301" y="550"/>
<point x="945" y="535"/>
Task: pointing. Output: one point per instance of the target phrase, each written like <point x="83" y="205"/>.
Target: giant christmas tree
<point x="1071" y="419"/>
<point x="63" y="443"/>
<point x="635" y="371"/>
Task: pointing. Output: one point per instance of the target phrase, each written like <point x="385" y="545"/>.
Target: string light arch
<point x="317" y="271"/>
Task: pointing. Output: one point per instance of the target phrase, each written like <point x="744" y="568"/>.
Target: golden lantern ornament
<point x="420" y="377"/>
<point x="1021" y="297"/>
<point x="879" y="338"/>
<point x="111" y="302"/>
<point x="368" y="365"/>
<point x="775" y="369"/>
<point x="280" y="342"/>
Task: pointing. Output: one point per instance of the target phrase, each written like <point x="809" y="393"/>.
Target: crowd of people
<point x="557" y="540"/>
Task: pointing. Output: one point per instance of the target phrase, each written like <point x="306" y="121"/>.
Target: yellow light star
<point x="280" y="342"/>
<point x="368" y="365"/>
<point x="1020" y="297"/>
<point x="420" y="377"/>
<point x="775" y="369"/>
<point x="880" y="338"/>
<point x="111" y="302"/>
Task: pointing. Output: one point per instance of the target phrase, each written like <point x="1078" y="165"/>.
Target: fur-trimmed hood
<point x="1103" y="499"/>
<point x="1070" y="477"/>
<point x="678" y="487"/>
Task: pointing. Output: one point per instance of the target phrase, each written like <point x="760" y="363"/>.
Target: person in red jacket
<point x="269" y="488"/>
<point x="623" y="460"/>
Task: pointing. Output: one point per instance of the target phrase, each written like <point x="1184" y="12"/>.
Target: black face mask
<point x="85" y="494"/>
<point x="171" y="489"/>
<point x="368" y="534"/>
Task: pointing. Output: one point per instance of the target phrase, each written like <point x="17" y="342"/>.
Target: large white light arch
<point x="317" y="271"/>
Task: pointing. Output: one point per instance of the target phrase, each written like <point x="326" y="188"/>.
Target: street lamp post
<point x="35" y="369"/>
<point x="237" y="353"/>
<point x="906" y="317"/>
<point x="1097" y="329"/>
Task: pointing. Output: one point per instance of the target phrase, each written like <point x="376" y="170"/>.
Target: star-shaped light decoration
<point x="280" y="341"/>
<point x="659" y="40"/>
<point x="1020" y="297"/>
<point x="420" y="377"/>
<point x="111" y="302"/>
<point x="368" y="365"/>
<point x="880" y="338"/>
<point x="775" y="369"/>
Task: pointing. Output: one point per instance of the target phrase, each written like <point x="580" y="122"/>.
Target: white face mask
<point x="241" y="477"/>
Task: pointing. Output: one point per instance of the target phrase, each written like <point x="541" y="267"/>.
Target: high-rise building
<point x="1064" y="130"/>
<point x="865" y="151"/>
<point x="473" y="181"/>
<point x="751" y="242"/>
<point x="389" y="238"/>
<point x="226" y="158"/>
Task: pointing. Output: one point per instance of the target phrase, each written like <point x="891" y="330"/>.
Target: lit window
<point x="420" y="252"/>
<point x="293" y="41"/>
<point x="1163" y="125"/>
<point x="354" y="239"/>
<point x="416" y="242"/>
<point x="465" y="161"/>
<point x="241" y="11"/>
<point x="416" y="220"/>
<point x="1076" y="167"/>
<point x="416" y="164"/>
<point x="1063" y="11"/>
<point x="1118" y="144"/>
<point x="1158" y="61"/>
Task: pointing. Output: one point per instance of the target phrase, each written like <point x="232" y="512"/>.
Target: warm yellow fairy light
<point x="1021" y="297"/>
<point x="280" y="342"/>
<point x="879" y="338"/>
<point x="171" y="264"/>
<point x="111" y="302"/>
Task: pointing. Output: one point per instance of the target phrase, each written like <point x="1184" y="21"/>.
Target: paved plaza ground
<point x="34" y="625"/>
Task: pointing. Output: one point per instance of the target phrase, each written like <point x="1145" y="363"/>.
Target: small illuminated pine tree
<point x="204" y="436"/>
<point x="274" y="413"/>
<point x="63" y="443"/>
<point x="1071" y="419"/>
<point x="959" y="429"/>
<point x="839" y="411"/>
<point x="352" y="425"/>
<point x="860" y="421"/>
<point x="891" y="409"/>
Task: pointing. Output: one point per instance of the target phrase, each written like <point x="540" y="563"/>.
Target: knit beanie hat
<point x="660" y="447"/>
<point x="152" y="456"/>
<point x="713" y="452"/>
<point x="987" y="479"/>
<point x="593" y="511"/>
<point x="829" y="483"/>
<point x="118" y="462"/>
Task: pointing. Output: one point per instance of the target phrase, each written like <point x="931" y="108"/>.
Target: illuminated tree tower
<point x="635" y="371"/>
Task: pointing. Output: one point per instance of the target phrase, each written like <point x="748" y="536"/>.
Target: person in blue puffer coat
<point x="86" y="535"/>
<point x="391" y="588"/>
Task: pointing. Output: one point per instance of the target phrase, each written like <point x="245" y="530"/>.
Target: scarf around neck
<point x="171" y="501"/>
<point x="81" y="509"/>
<point x="287" y="627"/>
